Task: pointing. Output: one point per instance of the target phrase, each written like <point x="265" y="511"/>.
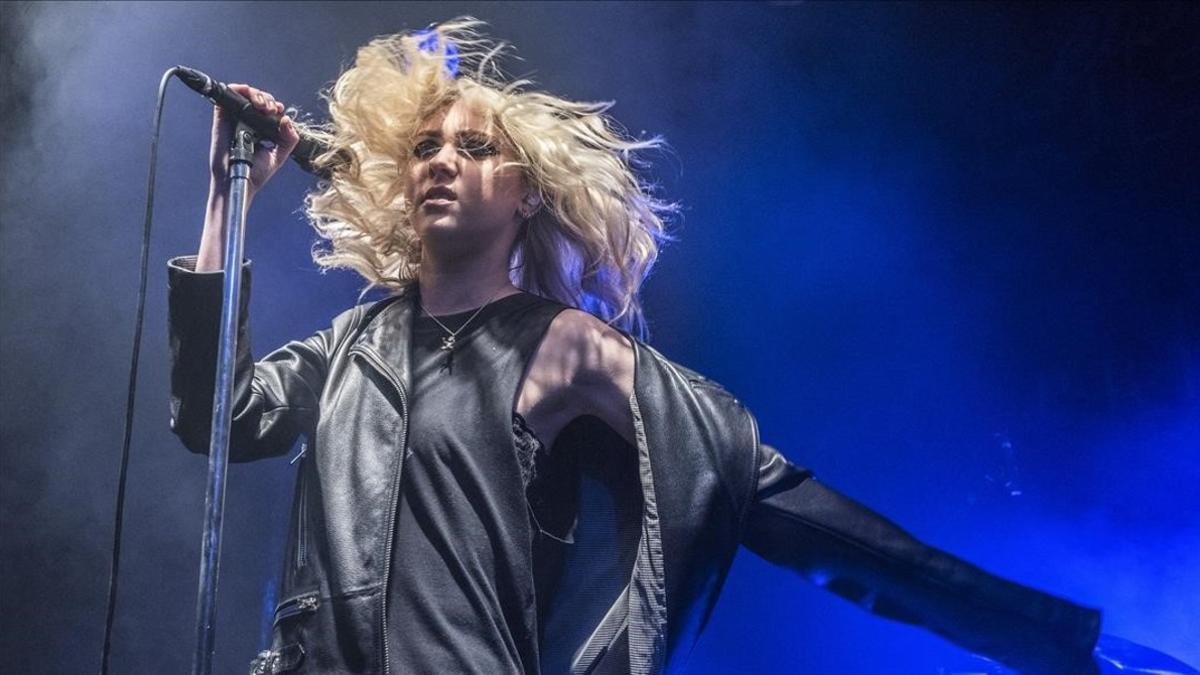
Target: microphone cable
<point x="123" y="473"/>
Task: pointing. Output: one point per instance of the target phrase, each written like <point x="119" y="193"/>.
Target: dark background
<point x="947" y="253"/>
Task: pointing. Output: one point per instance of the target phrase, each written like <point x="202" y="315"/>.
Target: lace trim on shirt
<point x="532" y="453"/>
<point x="529" y="448"/>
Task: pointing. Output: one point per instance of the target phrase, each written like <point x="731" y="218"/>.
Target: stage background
<point x="947" y="253"/>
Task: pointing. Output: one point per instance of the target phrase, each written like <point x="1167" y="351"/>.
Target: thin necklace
<point x="448" y="340"/>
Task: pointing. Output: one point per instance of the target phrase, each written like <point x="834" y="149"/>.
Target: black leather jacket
<point x="708" y="484"/>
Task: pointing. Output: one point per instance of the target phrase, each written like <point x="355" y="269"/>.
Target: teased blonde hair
<point x="590" y="245"/>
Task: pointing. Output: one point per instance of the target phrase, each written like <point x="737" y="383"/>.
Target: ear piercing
<point x="532" y="202"/>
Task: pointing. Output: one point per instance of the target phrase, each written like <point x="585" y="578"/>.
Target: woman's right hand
<point x="266" y="161"/>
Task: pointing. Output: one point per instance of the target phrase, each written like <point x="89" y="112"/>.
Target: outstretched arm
<point x="797" y="522"/>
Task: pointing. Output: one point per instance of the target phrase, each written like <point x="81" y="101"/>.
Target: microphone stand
<point x="241" y="156"/>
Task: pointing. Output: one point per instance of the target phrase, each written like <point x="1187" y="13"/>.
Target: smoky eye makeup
<point x="426" y="148"/>
<point x="471" y="144"/>
<point x="476" y="145"/>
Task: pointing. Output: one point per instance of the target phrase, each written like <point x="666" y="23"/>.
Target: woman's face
<point x="461" y="200"/>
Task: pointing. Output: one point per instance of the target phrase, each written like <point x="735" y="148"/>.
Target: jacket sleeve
<point x="274" y="400"/>
<point x="797" y="522"/>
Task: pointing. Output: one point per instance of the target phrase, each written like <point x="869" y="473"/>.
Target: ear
<point x="530" y="203"/>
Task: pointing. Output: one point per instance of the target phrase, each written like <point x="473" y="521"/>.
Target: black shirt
<point x="462" y="593"/>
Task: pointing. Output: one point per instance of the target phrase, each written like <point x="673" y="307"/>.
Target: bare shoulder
<point x="592" y="350"/>
<point x="583" y="366"/>
<point x="592" y="364"/>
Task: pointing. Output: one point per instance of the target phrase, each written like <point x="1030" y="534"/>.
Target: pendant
<point x="448" y="347"/>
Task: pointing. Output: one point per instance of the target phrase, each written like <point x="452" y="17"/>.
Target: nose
<point x="445" y="162"/>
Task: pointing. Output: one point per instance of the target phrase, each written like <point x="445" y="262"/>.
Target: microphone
<point x="266" y="126"/>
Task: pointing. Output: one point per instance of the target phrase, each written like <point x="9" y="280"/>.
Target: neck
<point x="447" y="288"/>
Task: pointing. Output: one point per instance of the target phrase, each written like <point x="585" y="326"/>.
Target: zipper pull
<point x="300" y="605"/>
<point x="303" y="449"/>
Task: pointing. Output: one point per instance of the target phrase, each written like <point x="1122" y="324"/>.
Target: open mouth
<point x="439" y="194"/>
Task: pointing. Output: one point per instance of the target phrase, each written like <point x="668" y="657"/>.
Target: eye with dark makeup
<point x="476" y="146"/>
<point x="471" y="145"/>
<point x="426" y="148"/>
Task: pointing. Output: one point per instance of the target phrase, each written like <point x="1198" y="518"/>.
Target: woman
<point x="440" y="523"/>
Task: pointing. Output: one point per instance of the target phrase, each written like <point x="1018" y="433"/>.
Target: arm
<point x="841" y="545"/>
<point x="274" y="400"/>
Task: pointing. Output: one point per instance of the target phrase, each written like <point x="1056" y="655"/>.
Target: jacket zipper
<point x="298" y="605"/>
<point x="302" y="518"/>
<point x="376" y="362"/>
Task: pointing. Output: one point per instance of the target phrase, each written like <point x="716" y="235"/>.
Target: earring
<point x="532" y="202"/>
<point x="525" y="211"/>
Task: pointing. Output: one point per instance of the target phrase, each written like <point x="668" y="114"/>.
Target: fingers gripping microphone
<point x="266" y="126"/>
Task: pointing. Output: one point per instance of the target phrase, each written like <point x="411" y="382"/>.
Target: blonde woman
<point x="438" y="522"/>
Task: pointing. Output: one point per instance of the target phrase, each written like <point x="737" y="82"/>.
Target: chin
<point x="441" y="227"/>
<point x="448" y="235"/>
